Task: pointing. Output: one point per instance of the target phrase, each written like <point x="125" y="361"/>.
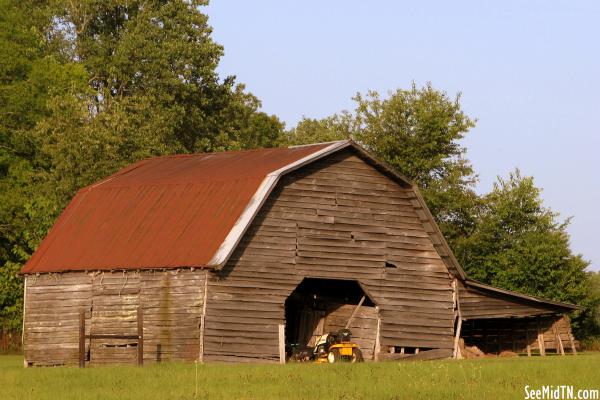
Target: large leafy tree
<point x="152" y="88"/>
<point x="519" y="244"/>
<point x="417" y="131"/>
<point x="31" y="72"/>
<point x="88" y="87"/>
<point x="592" y="327"/>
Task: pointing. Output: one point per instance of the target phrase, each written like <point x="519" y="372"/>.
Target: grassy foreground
<point x="466" y="379"/>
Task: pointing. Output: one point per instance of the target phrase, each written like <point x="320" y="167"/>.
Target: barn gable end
<point x="337" y="218"/>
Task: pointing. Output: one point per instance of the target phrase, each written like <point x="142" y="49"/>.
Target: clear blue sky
<point x="528" y="70"/>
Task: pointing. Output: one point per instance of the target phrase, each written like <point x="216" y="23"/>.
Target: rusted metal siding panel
<point x="165" y="212"/>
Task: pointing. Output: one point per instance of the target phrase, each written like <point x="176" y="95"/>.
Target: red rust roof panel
<point x="165" y="212"/>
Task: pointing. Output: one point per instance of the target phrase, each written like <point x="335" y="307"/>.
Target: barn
<point x="239" y="256"/>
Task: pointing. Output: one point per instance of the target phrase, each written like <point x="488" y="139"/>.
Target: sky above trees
<point x="528" y="71"/>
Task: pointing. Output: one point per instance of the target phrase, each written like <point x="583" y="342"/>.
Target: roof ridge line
<point x="186" y="155"/>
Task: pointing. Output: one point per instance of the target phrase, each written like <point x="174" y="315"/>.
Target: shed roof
<point x="167" y="212"/>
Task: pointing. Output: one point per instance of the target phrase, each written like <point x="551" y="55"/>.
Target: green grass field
<point x="497" y="378"/>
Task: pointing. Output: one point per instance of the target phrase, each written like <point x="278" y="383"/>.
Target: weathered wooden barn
<point x="236" y="256"/>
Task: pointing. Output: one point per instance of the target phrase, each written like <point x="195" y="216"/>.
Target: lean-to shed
<point x="237" y="256"/>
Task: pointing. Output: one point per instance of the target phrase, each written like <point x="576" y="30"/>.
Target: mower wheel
<point x="357" y="355"/>
<point x="334" y="356"/>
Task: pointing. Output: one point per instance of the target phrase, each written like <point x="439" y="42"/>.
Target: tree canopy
<point x="89" y="87"/>
<point x="519" y="244"/>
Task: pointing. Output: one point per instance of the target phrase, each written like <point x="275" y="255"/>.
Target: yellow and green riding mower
<point x="337" y="347"/>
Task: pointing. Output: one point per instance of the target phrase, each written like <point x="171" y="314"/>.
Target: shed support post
<point x="140" y="332"/>
<point x="540" y="339"/>
<point x="560" y="344"/>
<point x="557" y="339"/>
<point x="457" y="340"/>
<point x="572" y="341"/>
<point x="527" y="344"/>
<point x="456" y="348"/>
<point x="571" y="338"/>
<point x="82" y="339"/>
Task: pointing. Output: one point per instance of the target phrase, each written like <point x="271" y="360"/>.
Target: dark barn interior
<point x="319" y="306"/>
<point x="511" y="336"/>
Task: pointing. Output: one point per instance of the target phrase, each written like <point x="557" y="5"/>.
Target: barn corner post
<point x="25" y="363"/>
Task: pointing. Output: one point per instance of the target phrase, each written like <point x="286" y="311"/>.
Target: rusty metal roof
<point x="168" y="212"/>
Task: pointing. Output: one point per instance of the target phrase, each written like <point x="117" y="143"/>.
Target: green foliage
<point x="28" y="73"/>
<point x="417" y="132"/>
<point x="592" y="323"/>
<point x="89" y="87"/>
<point x="518" y="244"/>
<point x="160" y="54"/>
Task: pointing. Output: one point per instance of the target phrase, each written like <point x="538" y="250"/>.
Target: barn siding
<point x="52" y="306"/>
<point x="172" y="303"/>
<point x="337" y="218"/>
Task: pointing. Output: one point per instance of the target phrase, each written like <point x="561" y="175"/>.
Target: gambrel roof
<point x="166" y="212"/>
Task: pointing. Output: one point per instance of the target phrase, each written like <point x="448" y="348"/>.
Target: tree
<point x="518" y="244"/>
<point x="152" y="89"/>
<point x="89" y="87"/>
<point x="416" y="131"/>
<point x="593" y="326"/>
<point x="30" y="73"/>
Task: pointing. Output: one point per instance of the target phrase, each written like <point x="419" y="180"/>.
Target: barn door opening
<point x="319" y="306"/>
<point x="115" y="303"/>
